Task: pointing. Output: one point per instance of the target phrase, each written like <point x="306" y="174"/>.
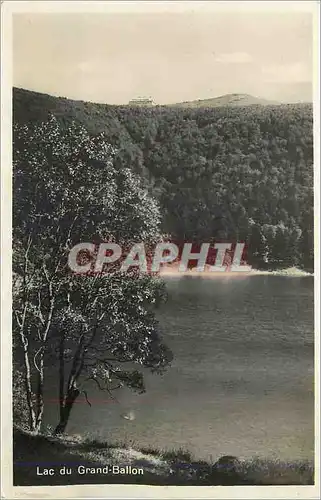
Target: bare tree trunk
<point x="24" y="339"/>
<point x="40" y="367"/>
<point x="67" y="401"/>
<point x="72" y="393"/>
<point x="40" y="401"/>
<point x="32" y="415"/>
<point x="61" y="375"/>
<point x="65" y="411"/>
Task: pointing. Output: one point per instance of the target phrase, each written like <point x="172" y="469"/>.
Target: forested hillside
<point x="241" y="173"/>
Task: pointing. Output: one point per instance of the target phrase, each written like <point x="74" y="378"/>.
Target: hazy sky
<point x="113" y="57"/>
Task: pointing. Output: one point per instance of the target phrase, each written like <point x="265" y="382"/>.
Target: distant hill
<point x="226" y="100"/>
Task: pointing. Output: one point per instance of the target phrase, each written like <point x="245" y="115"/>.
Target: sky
<point x="170" y="55"/>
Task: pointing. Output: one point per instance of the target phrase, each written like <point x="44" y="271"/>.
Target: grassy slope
<point x="175" y="467"/>
<point x="226" y="100"/>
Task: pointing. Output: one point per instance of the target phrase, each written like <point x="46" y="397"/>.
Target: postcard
<point x="160" y="249"/>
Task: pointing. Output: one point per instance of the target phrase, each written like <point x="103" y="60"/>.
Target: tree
<point x="67" y="190"/>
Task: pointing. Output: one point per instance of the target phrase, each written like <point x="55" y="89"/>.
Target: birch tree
<point x="67" y="190"/>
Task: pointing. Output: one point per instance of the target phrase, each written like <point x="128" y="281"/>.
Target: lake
<point x="241" y="382"/>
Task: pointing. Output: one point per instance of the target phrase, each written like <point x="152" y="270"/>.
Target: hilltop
<point x="238" y="100"/>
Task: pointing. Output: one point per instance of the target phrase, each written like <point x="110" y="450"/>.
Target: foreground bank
<point x="48" y="460"/>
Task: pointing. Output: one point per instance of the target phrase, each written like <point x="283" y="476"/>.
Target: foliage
<point x="20" y="406"/>
<point x="241" y="173"/>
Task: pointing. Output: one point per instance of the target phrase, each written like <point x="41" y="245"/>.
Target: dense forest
<point x="229" y="173"/>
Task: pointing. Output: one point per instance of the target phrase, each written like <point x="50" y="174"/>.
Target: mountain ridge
<point x="232" y="100"/>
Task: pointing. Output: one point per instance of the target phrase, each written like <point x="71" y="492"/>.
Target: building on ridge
<point x="141" y="101"/>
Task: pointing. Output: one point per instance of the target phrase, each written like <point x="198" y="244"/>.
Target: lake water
<point x="242" y="379"/>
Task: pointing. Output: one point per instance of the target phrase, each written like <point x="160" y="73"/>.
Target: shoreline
<point x="43" y="459"/>
<point x="291" y="272"/>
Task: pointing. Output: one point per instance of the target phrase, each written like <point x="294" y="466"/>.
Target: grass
<point x="160" y="467"/>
